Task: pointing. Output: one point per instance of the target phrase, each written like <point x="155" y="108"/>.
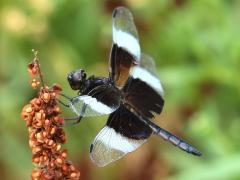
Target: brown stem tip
<point x="42" y="116"/>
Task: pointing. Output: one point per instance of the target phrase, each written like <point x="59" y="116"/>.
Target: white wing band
<point x="92" y="103"/>
<point x="109" y="146"/>
<point x="127" y="41"/>
<point x="148" y="78"/>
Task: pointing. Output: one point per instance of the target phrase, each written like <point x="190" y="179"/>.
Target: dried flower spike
<point x="42" y="116"/>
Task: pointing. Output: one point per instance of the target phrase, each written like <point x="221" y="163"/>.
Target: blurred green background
<point x="196" y="45"/>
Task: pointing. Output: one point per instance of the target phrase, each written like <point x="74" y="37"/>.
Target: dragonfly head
<point x="76" y="79"/>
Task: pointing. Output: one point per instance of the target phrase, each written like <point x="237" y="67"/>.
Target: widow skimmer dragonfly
<point x="132" y="95"/>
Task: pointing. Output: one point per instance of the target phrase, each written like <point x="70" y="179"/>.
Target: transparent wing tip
<point x="121" y="10"/>
<point x="102" y="156"/>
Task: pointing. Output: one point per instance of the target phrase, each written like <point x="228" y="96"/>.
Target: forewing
<point x="123" y="133"/>
<point x="125" y="34"/>
<point x="146" y="72"/>
<point x="101" y="100"/>
<point x="88" y="106"/>
<point x="147" y="62"/>
<point x="144" y="91"/>
<point x="126" y="49"/>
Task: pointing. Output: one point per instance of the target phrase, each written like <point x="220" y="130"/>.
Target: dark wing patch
<point x="143" y="98"/>
<point x="107" y="95"/>
<point x="128" y="124"/>
<point x="120" y="62"/>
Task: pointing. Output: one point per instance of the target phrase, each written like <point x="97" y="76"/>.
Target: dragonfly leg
<point x="63" y="103"/>
<point x="65" y="96"/>
<point x="70" y="105"/>
<point x="76" y="119"/>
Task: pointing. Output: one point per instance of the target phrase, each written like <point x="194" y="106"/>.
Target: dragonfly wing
<point x="126" y="49"/>
<point x="123" y="133"/>
<point x="96" y="102"/>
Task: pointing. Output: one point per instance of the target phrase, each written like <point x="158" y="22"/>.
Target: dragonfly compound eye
<point x="76" y="79"/>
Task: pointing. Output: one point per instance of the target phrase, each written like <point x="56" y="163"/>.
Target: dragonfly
<point x="132" y="96"/>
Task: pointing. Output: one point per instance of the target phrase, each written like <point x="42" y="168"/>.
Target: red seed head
<point x="36" y="173"/>
<point x="34" y="83"/>
<point x="33" y="69"/>
<point x="46" y="97"/>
